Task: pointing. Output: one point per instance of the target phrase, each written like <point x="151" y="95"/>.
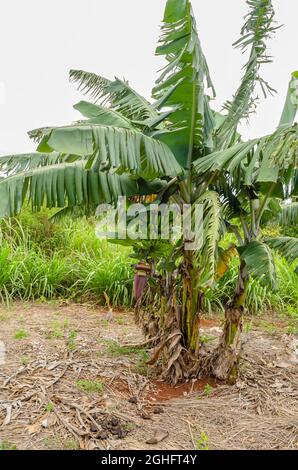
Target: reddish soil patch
<point x="164" y="392"/>
<point x="208" y="322"/>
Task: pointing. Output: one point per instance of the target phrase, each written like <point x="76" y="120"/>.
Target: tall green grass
<point x="259" y="297"/>
<point x="40" y="260"/>
<point x="43" y="260"/>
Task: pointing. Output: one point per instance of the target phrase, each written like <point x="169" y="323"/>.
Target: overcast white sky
<point x="42" y="39"/>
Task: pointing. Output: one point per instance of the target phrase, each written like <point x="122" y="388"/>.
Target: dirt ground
<point x="67" y="382"/>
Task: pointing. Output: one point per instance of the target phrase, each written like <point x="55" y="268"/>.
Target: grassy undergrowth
<point x="40" y="260"/>
<point x="259" y="297"/>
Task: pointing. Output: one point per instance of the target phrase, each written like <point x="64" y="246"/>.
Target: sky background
<point x="42" y="40"/>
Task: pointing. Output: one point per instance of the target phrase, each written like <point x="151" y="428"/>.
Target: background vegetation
<point x="43" y="260"/>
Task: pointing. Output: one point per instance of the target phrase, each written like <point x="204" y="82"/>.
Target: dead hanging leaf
<point x="174" y="357"/>
<point x="156" y="354"/>
<point x="174" y="342"/>
<point x="159" y="435"/>
<point x="224" y="261"/>
<point x="158" y="351"/>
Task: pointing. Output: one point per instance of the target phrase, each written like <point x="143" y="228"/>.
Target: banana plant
<point x="181" y="150"/>
<point x="257" y="181"/>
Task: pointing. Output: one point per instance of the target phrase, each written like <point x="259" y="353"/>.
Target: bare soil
<point x="65" y="383"/>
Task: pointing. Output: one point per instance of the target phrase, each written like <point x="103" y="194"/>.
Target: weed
<point x="129" y="427"/>
<point x="292" y="330"/>
<point x="52" y="443"/>
<point x="49" y="407"/>
<point x="48" y="443"/>
<point x="116" y="350"/>
<point x="71" y="444"/>
<point x="25" y="360"/>
<point x="5" y="445"/>
<point x="20" y="334"/>
<point x="207" y="339"/>
<point x="90" y="386"/>
<point x="208" y="389"/>
<point x="141" y="365"/>
<point x="247" y="327"/>
<point x="66" y="323"/>
<point x="202" y="442"/>
<point x="55" y="331"/>
<point x="270" y="328"/>
<point x="71" y="341"/>
<point x="292" y="311"/>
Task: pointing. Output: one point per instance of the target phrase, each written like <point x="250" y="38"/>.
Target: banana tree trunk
<point x="190" y="303"/>
<point x="228" y="352"/>
<point x="178" y="347"/>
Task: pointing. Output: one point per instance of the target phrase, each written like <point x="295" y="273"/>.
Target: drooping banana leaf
<point x="270" y="159"/>
<point x="11" y="164"/>
<point x="286" y="246"/>
<point x="111" y="148"/>
<point x="259" y="261"/>
<point x="67" y="184"/>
